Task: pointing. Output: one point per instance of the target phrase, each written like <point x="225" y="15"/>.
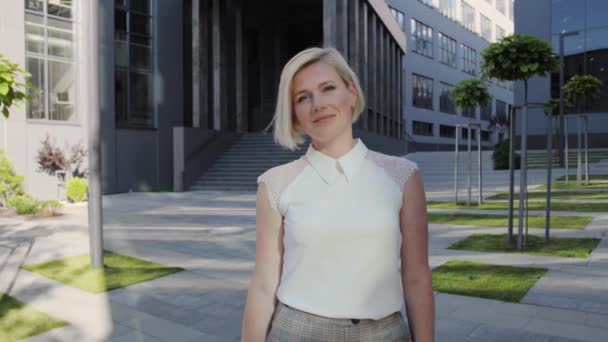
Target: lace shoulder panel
<point x="398" y="168"/>
<point x="278" y="178"/>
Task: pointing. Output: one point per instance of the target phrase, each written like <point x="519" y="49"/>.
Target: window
<point x="501" y="108"/>
<point x="422" y="94"/>
<point x="501" y="7"/>
<point x="133" y="63"/>
<point x="464" y="133"/>
<point x="446" y="105"/>
<point x="447" y="50"/>
<point x="399" y="17"/>
<point x="422" y="128"/>
<point x="469" y="60"/>
<point x="468" y="16"/>
<point x="447" y="131"/>
<point x="485" y="135"/>
<point x="500" y="33"/>
<point x="446" y="7"/>
<point x="49" y="41"/>
<point x="485" y="112"/>
<point x="469" y="112"/>
<point x="486" y="28"/>
<point x="422" y="36"/>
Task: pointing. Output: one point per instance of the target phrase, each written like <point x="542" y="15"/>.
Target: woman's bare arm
<point x="415" y="271"/>
<point x="261" y="297"/>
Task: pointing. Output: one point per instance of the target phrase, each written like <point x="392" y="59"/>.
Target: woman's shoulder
<point x="399" y="168"/>
<point x="284" y="172"/>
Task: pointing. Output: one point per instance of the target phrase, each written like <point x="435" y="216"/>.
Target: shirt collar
<point x="330" y="169"/>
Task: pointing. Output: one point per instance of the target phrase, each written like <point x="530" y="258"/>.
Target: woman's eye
<point x="328" y="88"/>
<point x="301" y="99"/>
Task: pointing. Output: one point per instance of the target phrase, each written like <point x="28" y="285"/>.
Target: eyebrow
<point x="320" y="85"/>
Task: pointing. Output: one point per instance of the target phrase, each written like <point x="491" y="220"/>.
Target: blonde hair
<point x="284" y="132"/>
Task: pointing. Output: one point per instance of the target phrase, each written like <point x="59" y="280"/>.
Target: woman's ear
<point x="353" y="91"/>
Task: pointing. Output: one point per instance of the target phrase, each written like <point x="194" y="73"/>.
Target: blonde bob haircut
<point x="285" y="134"/>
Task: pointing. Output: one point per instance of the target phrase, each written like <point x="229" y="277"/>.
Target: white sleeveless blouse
<point x="342" y="235"/>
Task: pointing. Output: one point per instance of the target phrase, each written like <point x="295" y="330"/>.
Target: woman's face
<point x="322" y="102"/>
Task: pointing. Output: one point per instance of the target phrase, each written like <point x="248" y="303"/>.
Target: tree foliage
<point x="518" y="57"/>
<point x="14" y="85"/>
<point x="471" y="93"/>
<point x="581" y="87"/>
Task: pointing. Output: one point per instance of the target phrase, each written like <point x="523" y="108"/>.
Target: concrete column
<point x="216" y="64"/>
<point x="364" y="59"/>
<point x="204" y="57"/>
<point x="239" y="65"/>
<point x="196" y="64"/>
<point x="372" y="67"/>
<point x="353" y="36"/>
<point x="342" y="30"/>
<point x="381" y="78"/>
<point x="329" y="22"/>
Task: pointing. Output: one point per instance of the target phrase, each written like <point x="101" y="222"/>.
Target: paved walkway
<point x="212" y="235"/>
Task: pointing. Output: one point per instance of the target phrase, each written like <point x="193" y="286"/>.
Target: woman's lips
<point x="323" y="118"/>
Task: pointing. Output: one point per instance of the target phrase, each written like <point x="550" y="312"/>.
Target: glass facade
<point x="446" y="104"/>
<point x="586" y="52"/>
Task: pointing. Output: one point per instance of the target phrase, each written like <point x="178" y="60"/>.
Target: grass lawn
<point x="556" y="195"/>
<point x="557" y="206"/>
<point x="561" y="222"/>
<point x="19" y="320"/>
<point x="562" y="247"/>
<point x="591" y="177"/>
<point x="119" y="271"/>
<point x="573" y="186"/>
<point x="504" y="283"/>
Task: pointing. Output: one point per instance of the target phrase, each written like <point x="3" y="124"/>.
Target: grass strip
<point x="534" y="221"/>
<point x="591" y="177"/>
<point x="556" y="195"/>
<point x="561" y="247"/>
<point x="555" y="206"/>
<point x="573" y="186"/>
<point x="19" y="320"/>
<point x="118" y="271"/>
<point x="506" y="283"/>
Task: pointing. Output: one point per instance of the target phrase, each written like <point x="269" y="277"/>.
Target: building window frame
<point x="422" y="91"/>
<point x="399" y="17"/>
<point x="485" y="27"/>
<point x="48" y="104"/>
<point x="469" y="59"/>
<point x="135" y="48"/>
<point x="447" y="50"/>
<point x="422" y="128"/>
<point x="422" y="38"/>
<point x="447" y="131"/>
<point x="446" y="104"/>
<point x="468" y="16"/>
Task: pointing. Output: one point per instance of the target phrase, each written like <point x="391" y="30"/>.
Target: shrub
<point x="24" y="204"/>
<point x="10" y="181"/>
<point x="501" y="156"/>
<point x="51" y="207"/>
<point x="76" y="189"/>
<point x="51" y="158"/>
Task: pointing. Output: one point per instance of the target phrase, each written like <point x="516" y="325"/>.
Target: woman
<point x="342" y="235"/>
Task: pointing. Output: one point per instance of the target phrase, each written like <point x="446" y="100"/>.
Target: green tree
<point x="519" y="57"/>
<point x="581" y="87"/>
<point x="10" y="181"/>
<point x="14" y="85"/>
<point x="471" y="93"/>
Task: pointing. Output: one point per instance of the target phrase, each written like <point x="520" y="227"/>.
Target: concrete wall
<point x="20" y="137"/>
